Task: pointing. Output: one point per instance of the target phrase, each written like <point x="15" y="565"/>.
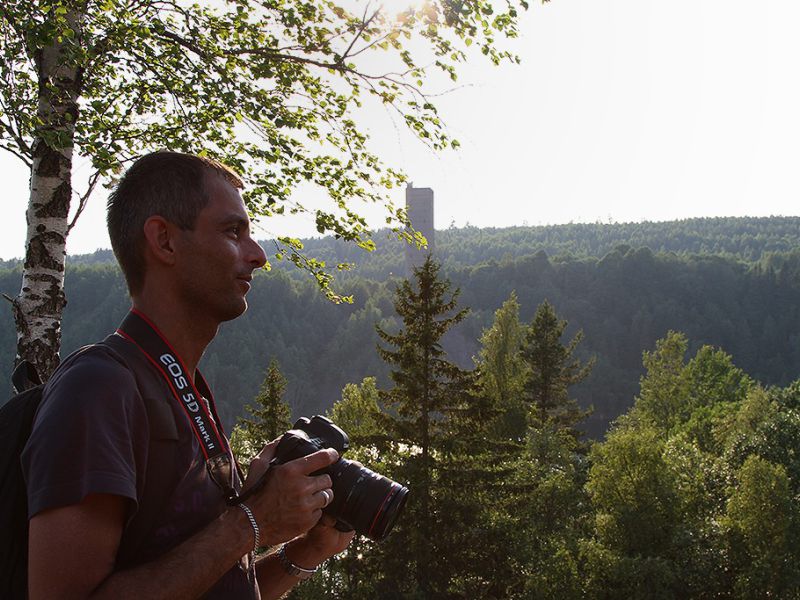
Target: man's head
<point x="169" y="184"/>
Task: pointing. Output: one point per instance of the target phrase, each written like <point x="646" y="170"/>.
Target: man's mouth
<point x="245" y="279"/>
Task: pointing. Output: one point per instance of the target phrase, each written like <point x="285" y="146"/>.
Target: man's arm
<point x="72" y="552"/>
<point x="72" y="549"/>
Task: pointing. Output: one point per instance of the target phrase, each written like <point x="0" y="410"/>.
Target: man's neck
<point x="187" y="335"/>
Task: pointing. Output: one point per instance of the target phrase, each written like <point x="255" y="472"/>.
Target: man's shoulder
<point x="93" y="366"/>
<point x="90" y="433"/>
<point x="94" y="379"/>
<point x="108" y="382"/>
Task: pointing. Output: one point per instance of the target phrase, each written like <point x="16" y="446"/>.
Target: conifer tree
<point x="270" y="416"/>
<point x="427" y="389"/>
<point x="554" y="502"/>
<point x="553" y="369"/>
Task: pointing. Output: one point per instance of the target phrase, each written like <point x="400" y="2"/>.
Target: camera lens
<point x="364" y="500"/>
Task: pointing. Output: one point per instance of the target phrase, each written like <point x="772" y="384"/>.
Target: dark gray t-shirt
<point x="91" y="436"/>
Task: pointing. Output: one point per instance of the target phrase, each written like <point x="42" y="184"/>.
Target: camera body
<point x="362" y="499"/>
<point x="309" y="435"/>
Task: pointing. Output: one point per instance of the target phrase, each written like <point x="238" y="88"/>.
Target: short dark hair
<point x="168" y="184"/>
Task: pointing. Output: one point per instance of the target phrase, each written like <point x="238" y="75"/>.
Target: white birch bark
<point x="39" y="307"/>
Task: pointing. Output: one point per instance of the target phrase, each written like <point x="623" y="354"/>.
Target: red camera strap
<point x="202" y="415"/>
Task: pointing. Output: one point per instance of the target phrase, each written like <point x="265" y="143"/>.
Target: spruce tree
<point x="553" y="468"/>
<point x="270" y="416"/>
<point x="427" y="389"/>
<point x="553" y="369"/>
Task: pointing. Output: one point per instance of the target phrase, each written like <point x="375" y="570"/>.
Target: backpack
<point x="16" y="423"/>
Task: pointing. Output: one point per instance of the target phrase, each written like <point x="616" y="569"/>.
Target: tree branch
<point x="22" y="157"/>
<point x="84" y="199"/>
<point x="14" y="133"/>
<point x="7" y="17"/>
<point x="361" y="28"/>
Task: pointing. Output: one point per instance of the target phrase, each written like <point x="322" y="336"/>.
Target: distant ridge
<point x="746" y="238"/>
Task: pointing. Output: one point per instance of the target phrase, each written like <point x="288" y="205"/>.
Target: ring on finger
<point x="328" y="497"/>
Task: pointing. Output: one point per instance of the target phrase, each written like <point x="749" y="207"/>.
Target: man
<point x="181" y="234"/>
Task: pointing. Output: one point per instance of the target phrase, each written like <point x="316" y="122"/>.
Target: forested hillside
<point x="747" y="239"/>
<point x="746" y="301"/>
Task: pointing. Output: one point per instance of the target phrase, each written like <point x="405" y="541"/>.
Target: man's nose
<point x="257" y="257"/>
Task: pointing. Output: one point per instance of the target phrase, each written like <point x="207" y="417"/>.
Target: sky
<point x="622" y="110"/>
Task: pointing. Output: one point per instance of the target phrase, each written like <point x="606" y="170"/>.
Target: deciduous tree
<point x="272" y="87"/>
<point x="502" y="371"/>
<point x="759" y="518"/>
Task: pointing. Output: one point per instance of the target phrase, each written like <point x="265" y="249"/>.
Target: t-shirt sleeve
<point x="90" y="435"/>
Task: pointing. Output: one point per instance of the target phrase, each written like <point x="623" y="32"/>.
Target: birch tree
<point x="271" y="87"/>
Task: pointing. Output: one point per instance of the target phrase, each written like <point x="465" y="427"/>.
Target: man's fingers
<point x="327" y="520"/>
<point x="321" y="482"/>
<point x="268" y="451"/>
<point x="325" y="497"/>
<point x="260" y="462"/>
<point x="315" y="461"/>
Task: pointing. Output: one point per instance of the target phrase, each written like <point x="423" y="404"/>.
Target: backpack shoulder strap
<point x="25" y="377"/>
<point x="162" y="456"/>
<point x="159" y="411"/>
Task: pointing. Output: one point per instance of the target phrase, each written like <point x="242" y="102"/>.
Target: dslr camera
<point x="362" y="499"/>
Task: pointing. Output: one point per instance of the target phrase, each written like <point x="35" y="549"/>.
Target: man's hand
<point x="297" y="517"/>
<point x="324" y="540"/>
<point x="290" y="503"/>
<point x="319" y="544"/>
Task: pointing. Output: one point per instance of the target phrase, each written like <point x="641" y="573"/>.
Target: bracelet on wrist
<point x="291" y="568"/>
<point x="253" y="524"/>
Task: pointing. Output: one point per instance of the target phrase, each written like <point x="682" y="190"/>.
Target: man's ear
<point x="159" y="237"/>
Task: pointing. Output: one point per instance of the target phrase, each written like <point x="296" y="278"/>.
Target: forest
<point x="690" y="495"/>
<point x="603" y="411"/>
<point x="623" y="285"/>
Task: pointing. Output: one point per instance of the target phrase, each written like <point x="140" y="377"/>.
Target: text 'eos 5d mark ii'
<point x="362" y="499"/>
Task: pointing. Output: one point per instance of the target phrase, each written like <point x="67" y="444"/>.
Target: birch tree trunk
<point x="40" y="304"/>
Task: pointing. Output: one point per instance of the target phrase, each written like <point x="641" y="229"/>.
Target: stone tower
<point x="419" y="204"/>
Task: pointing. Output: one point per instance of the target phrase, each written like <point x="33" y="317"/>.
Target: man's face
<point x="217" y="258"/>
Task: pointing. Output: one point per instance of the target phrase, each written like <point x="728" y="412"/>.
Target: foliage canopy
<point x="272" y="87"/>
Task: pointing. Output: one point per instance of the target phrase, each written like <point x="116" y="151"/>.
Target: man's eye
<point x="235" y="231"/>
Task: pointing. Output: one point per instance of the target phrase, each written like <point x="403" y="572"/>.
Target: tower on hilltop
<point x="419" y="205"/>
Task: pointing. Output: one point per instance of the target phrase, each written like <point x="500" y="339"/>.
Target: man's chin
<point x="233" y="311"/>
